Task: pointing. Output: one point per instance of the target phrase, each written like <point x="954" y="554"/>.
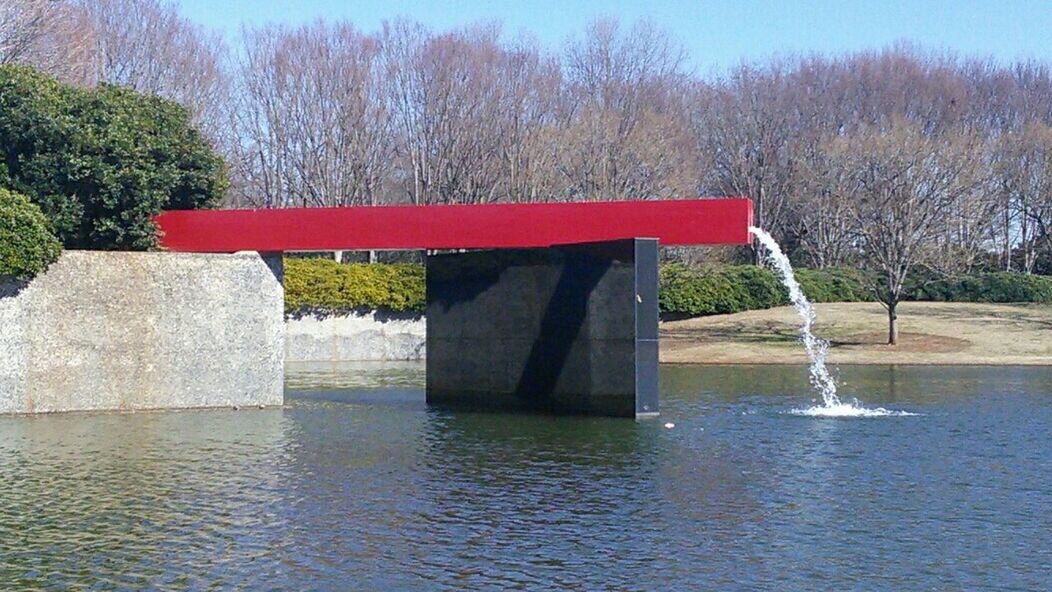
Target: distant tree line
<point x="892" y="159"/>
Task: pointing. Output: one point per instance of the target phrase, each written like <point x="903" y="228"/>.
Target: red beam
<point x="673" y="222"/>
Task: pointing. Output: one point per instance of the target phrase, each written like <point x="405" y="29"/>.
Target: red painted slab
<point x="673" y="222"/>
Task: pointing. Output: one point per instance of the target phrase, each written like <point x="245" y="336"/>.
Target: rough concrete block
<point x="126" y="331"/>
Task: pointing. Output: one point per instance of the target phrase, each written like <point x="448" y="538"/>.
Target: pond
<point x="356" y="484"/>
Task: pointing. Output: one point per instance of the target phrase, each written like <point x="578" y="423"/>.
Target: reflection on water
<point x="357" y="485"/>
<point x="348" y="376"/>
<point x="173" y="500"/>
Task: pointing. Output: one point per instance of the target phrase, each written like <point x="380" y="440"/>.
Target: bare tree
<point x="148" y="46"/>
<point x="470" y="113"/>
<point x="903" y="185"/>
<point x="1023" y="169"/>
<point x="528" y="151"/>
<point x="965" y="229"/>
<point x="623" y="122"/>
<point x="50" y="35"/>
<point x="311" y="117"/>
<point x="744" y="126"/>
<point x="825" y="219"/>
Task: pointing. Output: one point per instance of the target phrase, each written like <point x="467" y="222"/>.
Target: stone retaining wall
<point x="125" y="331"/>
<point x="355" y="337"/>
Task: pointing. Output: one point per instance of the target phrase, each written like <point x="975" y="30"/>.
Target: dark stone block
<point x="567" y="329"/>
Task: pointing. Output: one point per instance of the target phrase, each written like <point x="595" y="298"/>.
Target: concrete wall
<point x="570" y="329"/>
<point x="122" y="331"/>
<point x="364" y="336"/>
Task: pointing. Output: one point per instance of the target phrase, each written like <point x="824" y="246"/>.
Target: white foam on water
<point x="849" y="410"/>
<point x="817" y="349"/>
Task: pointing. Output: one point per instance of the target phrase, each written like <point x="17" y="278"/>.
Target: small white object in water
<point x="670" y="425"/>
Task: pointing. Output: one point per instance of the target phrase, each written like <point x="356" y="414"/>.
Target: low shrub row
<point x="322" y="285"/>
<point x="987" y="287"/>
<point x="834" y="285"/>
<point x="696" y="292"/>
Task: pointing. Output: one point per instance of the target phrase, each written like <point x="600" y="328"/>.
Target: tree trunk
<point x="893" y="325"/>
<point x="1007" y="247"/>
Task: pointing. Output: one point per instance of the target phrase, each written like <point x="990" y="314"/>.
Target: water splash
<point x="817" y="349"/>
<point x="853" y="409"/>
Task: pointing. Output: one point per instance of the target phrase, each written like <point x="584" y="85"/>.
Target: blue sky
<point x="716" y="34"/>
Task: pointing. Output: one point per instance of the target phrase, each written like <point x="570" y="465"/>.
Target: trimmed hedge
<point x="696" y="292"/>
<point x="27" y="245"/>
<point x="1001" y="286"/>
<point x="693" y="292"/>
<point x="833" y="285"/>
<point x="323" y="285"/>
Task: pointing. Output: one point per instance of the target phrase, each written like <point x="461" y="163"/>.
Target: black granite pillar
<point x="567" y="329"/>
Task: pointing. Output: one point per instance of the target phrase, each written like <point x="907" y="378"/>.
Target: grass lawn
<point x="929" y="333"/>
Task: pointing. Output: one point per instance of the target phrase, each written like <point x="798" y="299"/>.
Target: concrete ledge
<point x="127" y="331"/>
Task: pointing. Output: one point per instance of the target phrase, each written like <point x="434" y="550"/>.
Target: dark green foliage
<point x="834" y="285"/>
<point x="27" y="245"/>
<point x="323" y="285"/>
<point x="987" y="287"/>
<point x="694" y="292"/>
<point x="759" y="287"/>
<point x="1043" y="265"/>
<point x="102" y="162"/>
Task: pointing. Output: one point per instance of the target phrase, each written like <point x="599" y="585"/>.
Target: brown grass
<point x="930" y="333"/>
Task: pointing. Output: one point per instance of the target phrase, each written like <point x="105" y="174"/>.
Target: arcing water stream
<point x="816" y="348"/>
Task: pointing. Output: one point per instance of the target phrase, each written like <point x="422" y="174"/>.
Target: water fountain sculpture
<point x="817" y="349"/>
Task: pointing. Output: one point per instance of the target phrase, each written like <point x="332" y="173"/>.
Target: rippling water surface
<point x="356" y="485"/>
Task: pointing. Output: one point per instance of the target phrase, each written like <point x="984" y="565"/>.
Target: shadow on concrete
<point x="11" y="287"/>
<point x="563" y="318"/>
<point x="473" y="272"/>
